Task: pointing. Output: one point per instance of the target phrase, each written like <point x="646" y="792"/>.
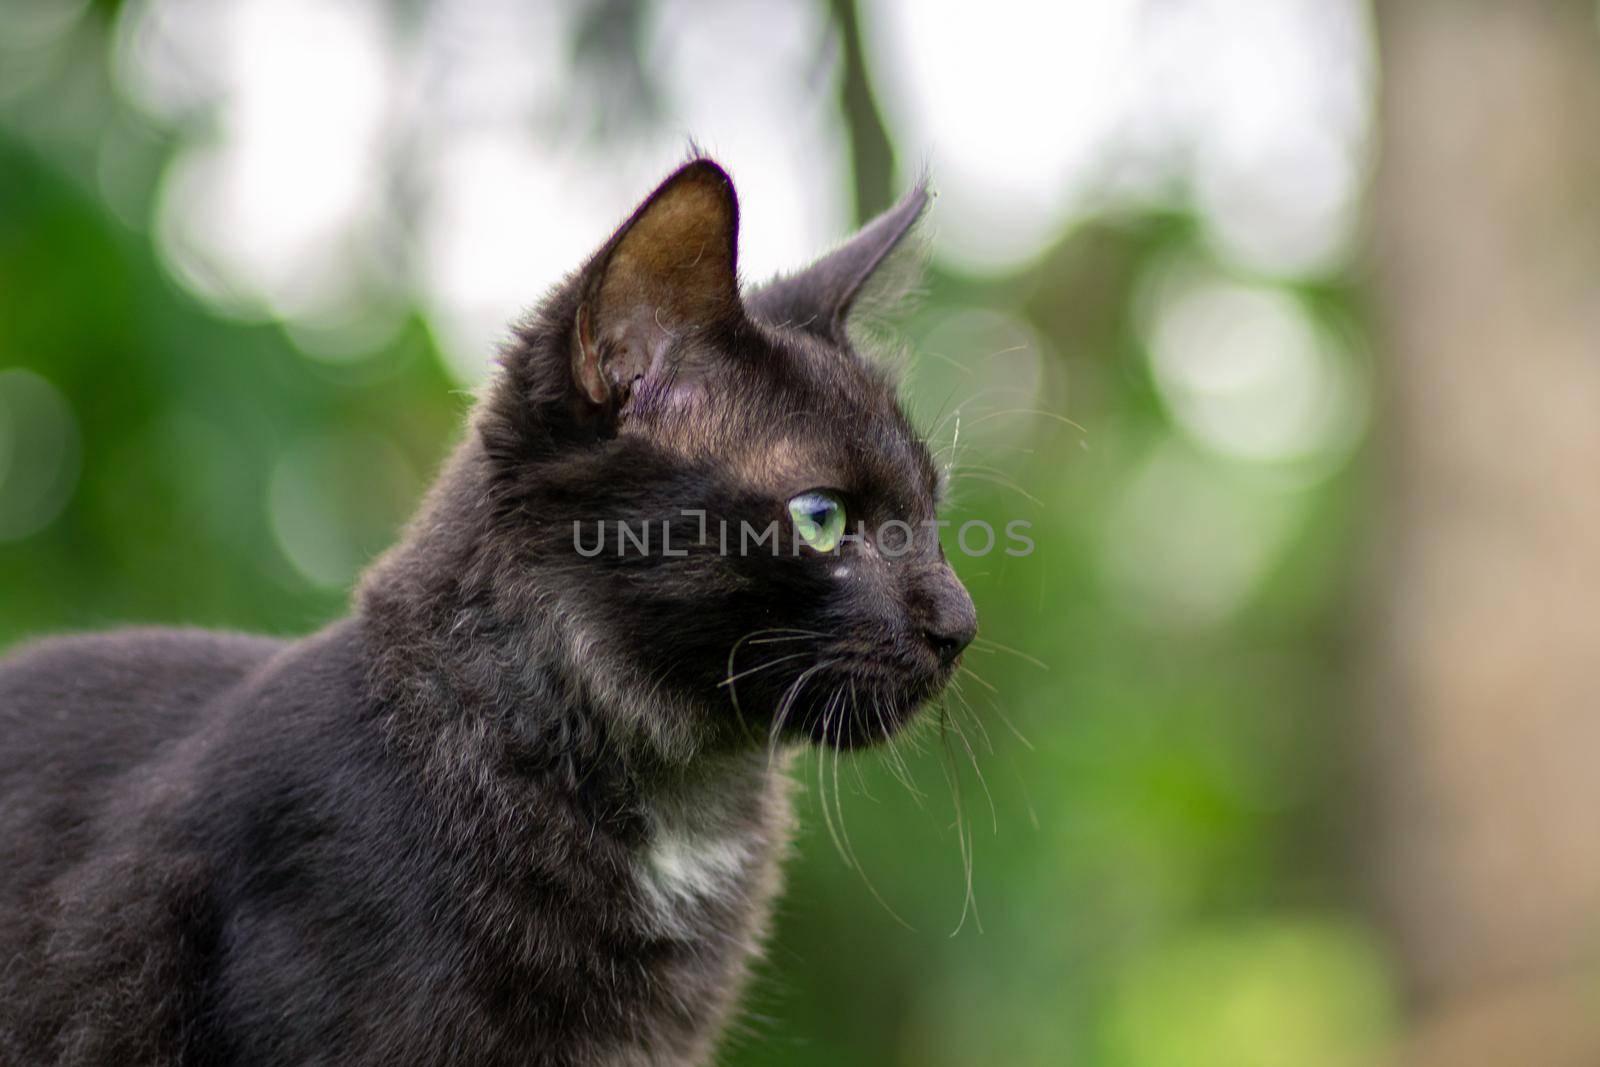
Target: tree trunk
<point x="1486" y="657"/>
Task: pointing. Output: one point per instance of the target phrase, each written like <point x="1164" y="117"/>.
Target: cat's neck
<point x="459" y="627"/>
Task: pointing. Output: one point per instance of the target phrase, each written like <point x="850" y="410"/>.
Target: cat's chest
<point x="708" y="861"/>
<point x="685" y="876"/>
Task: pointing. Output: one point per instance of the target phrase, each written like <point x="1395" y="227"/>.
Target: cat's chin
<point x="877" y="715"/>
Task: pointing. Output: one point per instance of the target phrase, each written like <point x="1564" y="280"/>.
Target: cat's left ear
<point x="820" y="298"/>
<point x="669" y="273"/>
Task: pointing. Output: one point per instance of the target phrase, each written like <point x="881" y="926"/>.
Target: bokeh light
<point x="1188" y="538"/>
<point x="31" y="44"/>
<point x="337" y="500"/>
<point x="1259" y="115"/>
<point x="286" y="202"/>
<point x="39" y="453"/>
<point x="1306" y="991"/>
<point x="1247" y="372"/>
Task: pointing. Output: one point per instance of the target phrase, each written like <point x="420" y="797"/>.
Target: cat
<point x="521" y="806"/>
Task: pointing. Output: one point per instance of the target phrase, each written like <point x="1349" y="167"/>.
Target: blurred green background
<point x="255" y="257"/>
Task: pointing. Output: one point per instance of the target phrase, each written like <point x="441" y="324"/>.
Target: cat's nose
<point x="948" y="645"/>
<point x="952" y="620"/>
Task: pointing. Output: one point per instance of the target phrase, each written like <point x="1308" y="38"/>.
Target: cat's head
<point x="716" y="497"/>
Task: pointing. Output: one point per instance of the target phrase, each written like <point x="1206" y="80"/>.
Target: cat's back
<point x="93" y="703"/>
<point x="78" y="712"/>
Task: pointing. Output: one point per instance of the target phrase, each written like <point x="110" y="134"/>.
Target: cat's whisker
<point x="969" y="474"/>
<point x="855" y="714"/>
<point x="946" y="413"/>
<point x="897" y="746"/>
<point x="747" y="672"/>
<point x="804" y="635"/>
<point x="984" y="644"/>
<point x="954" y="446"/>
<point x="838" y="804"/>
<point x="848" y="850"/>
<point x="969" y="904"/>
<point x="786" y="704"/>
<point x="1022" y="785"/>
<point x="972" y="757"/>
<point x="893" y="759"/>
<point x="1041" y="412"/>
<point x="981" y="467"/>
<point x="972" y="712"/>
<point x="972" y="401"/>
<point x="994" y="705"/>
<point x="950" y="360"/>
<point x="733" y="693"/>
<point x="830" y="748"/>
<point x="760" y="636"/>
<point x="822" y="791"/>
<point x="970" y="673"/>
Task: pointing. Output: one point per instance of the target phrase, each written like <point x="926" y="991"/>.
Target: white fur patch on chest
<point x="690" y="867"/>
<point x="709" y="846"/>
<point x="680" y="872"/>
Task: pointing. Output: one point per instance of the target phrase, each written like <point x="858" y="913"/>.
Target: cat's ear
<point x="820" y="298"/>
<point x="669" y="272"/>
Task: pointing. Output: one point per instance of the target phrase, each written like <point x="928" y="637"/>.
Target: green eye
<point x="818" y="519"/>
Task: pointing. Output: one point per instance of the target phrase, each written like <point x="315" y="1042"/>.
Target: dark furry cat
<point x="512" y="810"/>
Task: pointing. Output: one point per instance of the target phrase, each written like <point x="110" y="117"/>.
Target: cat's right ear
<point x="669" y="273"/>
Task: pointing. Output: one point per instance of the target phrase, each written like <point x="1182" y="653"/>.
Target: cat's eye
<point x="818" y="516"/>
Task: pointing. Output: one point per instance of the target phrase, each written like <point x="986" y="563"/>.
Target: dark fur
<point x="443" y="831"/>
